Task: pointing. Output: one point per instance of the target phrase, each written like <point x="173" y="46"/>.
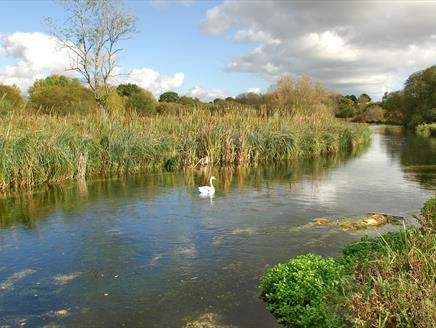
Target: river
<point x="148" y="251"/>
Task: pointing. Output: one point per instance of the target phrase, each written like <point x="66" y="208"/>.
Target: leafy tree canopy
<point x="169" y="96"/>
<point x="10" y="98"/>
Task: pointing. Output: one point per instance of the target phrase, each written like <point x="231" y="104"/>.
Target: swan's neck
<point x="211" y="184"/>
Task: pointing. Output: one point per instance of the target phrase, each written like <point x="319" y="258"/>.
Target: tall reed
<point x="38" y="148"/>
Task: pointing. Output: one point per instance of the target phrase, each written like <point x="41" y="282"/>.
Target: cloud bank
<point x="354" y="46"/>
<point x="206" y="94"/>
<point x="37" y="55"/>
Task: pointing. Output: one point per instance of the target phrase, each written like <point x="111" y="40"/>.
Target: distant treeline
<point x="413" y="107"/>
<point x="416" y="103"/>
<point x="59" y="94"/>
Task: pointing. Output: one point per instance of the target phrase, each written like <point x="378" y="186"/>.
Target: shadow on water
<point x="24" y="208"/>
<point x="416" y="154"/>
<point x="148" y="251"/>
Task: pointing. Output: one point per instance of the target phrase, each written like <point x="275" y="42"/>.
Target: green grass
<point x="387" y="281"/>
<point x="38" y="148"/>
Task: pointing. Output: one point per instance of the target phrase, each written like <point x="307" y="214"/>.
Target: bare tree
<point x="91" y="34"/>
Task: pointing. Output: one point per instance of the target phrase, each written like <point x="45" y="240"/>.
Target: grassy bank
<point x="388" y="281"/>
<point x="37" y="148"/>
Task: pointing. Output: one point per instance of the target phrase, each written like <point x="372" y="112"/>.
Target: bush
<point x="169" y="108"/>
<point x="169" y="96"/>
<point x="426" y="130"/>
<point x="346" y="108"/>
<point x="114" y="102"/>
<point x="142" y="102"/>
<point x="10" y="98"/>
<point x="60" y="95"/>
<point x="382" y="282"/>
<point x="296" y="291"/>
<point x="125" y="90"/>
<point x="372" y="114"/>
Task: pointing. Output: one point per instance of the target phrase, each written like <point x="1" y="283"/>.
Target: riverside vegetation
<point x="48" y="142"/>
<point x="387" y="281"/>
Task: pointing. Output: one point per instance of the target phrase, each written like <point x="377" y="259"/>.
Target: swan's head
<point x="212" y="178"/>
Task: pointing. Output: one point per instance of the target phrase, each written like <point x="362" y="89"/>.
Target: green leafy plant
<point x="296" y="291"/>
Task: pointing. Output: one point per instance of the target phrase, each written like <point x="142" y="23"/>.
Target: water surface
<point x="148" y="251"/>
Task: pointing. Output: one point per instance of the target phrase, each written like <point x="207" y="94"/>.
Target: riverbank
<point x="37" y="149"/>
<point x="382" y="282"/>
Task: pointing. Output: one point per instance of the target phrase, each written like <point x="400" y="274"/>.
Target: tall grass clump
<point x="387" y="281"/>
<point x="37" y="148"/>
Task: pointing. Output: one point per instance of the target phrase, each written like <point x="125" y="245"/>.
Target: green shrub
<point x="10" y="98"/>
<point x="169" y="96"/>
<point x="114" y="102"/>
<point x="371" y="114"/>
<point x="137" y="98"/>
<point x="125" y="90"/>
<point x="426" y="130"/>
<point x="142" y="102"/>
<point x="169" y="108"/>
<point x="58" y="94"/>
<point x="346" y="108"/>
<point x="296" y="291"/>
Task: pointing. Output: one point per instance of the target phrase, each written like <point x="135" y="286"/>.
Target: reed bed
<point x="37" y="148"/>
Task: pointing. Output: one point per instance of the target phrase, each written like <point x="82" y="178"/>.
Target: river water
<point x="148" y="251"/>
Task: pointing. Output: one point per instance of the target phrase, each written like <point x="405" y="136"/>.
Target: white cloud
<point x="38" y="55"/>
<point x="254" y="90"/>
<point x="356" y="47"/>
<point x="153" y="81"/>
<point x="205" y="94"/>
<point x="327" y="45"/>
<point x="252" y="35"/>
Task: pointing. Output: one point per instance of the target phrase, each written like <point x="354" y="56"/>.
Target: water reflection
<point x="149" y="251"/>
<point x="417" y="155"/>
<point x="25" y="207"/>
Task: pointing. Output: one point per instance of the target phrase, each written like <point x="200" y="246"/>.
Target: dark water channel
<point x="149" y="252"/>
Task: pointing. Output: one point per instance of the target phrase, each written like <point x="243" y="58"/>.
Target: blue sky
<point x="222" y="48"/>
<point x="169" y="40"/>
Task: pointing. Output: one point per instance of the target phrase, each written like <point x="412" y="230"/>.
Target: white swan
<point x="208" y="190"/>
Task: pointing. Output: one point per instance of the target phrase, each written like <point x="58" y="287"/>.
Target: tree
<point x="10" y="98"/>
<point x="125" y="90"/>
<point x="393" y="103"/>
<point x="363" y="102"/>
<point x="61" y="95"/>
<point x="353" y="98"/>
<point x="346" y="108"/>
<point x="142" y="102"/>
<point x="416" y="103"/>
<point x="51" y="81"/>
<point x="169" y="96"/>
<point x="91" y="34"/>
<point x="186" y="100"/>
<point x="249" y="98"/>
<point x="420" y="97"/>
<point x="136" y="98"/>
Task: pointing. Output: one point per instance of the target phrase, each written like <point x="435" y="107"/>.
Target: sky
<point x="215" y="49"/>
